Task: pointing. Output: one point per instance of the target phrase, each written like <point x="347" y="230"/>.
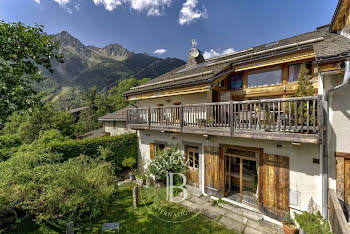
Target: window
<point x="114" y="124"/>
<point x="192" y="154"/>
<point x="236" y="81"/>
<point x="159" y="147"/>
<point x="265" y="77"/>
<point x="294" y="69"/>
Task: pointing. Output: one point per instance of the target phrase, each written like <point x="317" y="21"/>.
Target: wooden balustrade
<point x="302" y="115"/>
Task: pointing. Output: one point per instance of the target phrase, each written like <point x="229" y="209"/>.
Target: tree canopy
<point x="24" y="51"/>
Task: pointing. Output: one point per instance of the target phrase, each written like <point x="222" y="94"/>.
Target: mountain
<point x="86" y="66"/>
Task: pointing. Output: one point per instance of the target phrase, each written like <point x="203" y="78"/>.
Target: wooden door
<point x="192" y="158"/>
<point x="275" y="185"/>
<point x="212" y="177"/>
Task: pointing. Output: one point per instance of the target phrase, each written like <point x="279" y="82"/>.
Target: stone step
<point x="214" y="209"/>
<point x="232" y="224"/>
<point x="236" y="217"/>
<point x="256" y="216"/>
<point x="195" y="191"/>
<point x="263" y="227"/>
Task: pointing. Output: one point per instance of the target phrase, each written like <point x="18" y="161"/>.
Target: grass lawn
<point x="132" y="220"/>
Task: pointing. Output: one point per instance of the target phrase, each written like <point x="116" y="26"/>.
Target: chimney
<point x="195" y="56"/>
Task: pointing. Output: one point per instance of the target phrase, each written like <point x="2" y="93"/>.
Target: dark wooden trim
<point x="343" y="155"/>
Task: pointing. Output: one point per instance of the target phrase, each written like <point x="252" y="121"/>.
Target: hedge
<point x="123" y="146"/>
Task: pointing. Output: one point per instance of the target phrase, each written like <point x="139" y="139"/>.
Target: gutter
<point x="324" y="155"/>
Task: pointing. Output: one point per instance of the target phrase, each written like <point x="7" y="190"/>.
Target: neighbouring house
<point x="76" y="112"/>
<point x="115" y="123"/>
<point x="248" y="139"/>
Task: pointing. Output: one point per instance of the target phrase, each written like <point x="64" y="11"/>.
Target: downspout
<point x="324" y="168"/>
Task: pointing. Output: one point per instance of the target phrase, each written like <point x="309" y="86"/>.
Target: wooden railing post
<point x="149" y="117"/>
<point x="231" y="118"/>
<point x="181" y="113"/>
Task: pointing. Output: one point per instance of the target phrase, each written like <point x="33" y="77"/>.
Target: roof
<point x="119" y="115"/>
<point x="94" y="134"/>
<point x="324" y="43"/>
<point x="78" y="109"/>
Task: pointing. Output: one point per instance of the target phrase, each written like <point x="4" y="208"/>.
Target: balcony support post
<point x="149" y="117"/>
<point x="231" y="118"/>
<point x="181" y="117"/>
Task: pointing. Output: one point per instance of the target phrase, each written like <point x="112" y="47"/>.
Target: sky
<point x="165" y="28"/>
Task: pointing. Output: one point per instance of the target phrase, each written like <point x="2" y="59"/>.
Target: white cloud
<point x="160" y="51"/>
<point x="213" y="53"/>
<point x="77" y="6"/>
<point x="228" y="51"/>
<point x="109" y="4"/>
<point x="153" y="7"/>
<point x="62" y="2"/>
<point x="210" y="54"/>
<point x="37" y="1"/>
<point x="188" y="13"/>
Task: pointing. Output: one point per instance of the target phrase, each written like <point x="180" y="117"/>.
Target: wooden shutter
<point x="347" y="181"/>
<point x="212" y="171"/>
<point x="275" y="185"/>
<point x="151" y="151"/>
<point x="340" y="177"/>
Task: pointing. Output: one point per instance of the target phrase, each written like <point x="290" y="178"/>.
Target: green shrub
<point x="167" y="161"/>
<point x="38" y="183"/>
<point x="122" y="146"/>
<point x="129" y="162"/>
<point x="287" y="219"/>
<point x="313" y="223"/>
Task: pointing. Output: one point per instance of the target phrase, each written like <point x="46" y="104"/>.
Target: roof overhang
<point x="338" y="15"/>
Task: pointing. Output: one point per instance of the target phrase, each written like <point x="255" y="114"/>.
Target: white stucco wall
<point x="304" y="174"/>
<point x="339" y="121"/>
<point x="118" y="130"/>
<point x="193" y="98"/>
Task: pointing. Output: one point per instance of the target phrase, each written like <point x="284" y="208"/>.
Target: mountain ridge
<point x="88" y="65"/>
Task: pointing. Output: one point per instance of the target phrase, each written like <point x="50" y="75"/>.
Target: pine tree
<point x="305" y="87"/>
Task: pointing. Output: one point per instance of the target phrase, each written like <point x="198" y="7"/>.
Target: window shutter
<point x="151" y="153"/>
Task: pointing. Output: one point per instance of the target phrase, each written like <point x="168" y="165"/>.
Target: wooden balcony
<point x="284" y="119"/>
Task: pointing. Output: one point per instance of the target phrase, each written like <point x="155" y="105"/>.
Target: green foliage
<point x="168" y="160"/>
<point x="8" y="145"/>
<point x="121" y="146"/>
<point x="101" y="104"/>
<point x="23" y="50"/>
<point x="36" y="181"/>
<point x="287" y="219"/>
<point x="29" y="126"/>
<point x="129" y="162"/>
<point x="88" y="121"/>
<point x="313" y="223"/>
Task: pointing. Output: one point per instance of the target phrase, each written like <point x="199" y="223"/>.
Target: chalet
<point x="250" y="140"/>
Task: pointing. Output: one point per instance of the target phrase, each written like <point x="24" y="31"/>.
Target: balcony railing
<point x="293" y="119"/>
